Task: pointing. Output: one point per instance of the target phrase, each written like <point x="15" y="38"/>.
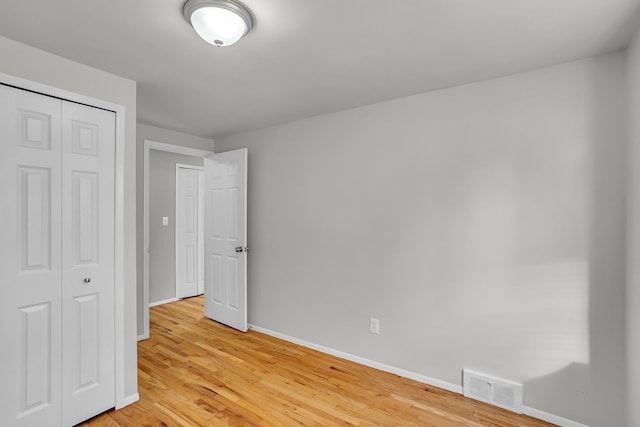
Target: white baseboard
<point x="129" y="400"/>
<point x="164" y="301"/>
<point x="535" y="413"/>
<point x="362" y="361"/>
<point x="550" y="418"/>
<point x="143" y="337"/>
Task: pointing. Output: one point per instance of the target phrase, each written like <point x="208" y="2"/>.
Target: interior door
<point x="200" y="232"/>
<point x="187" y="248"/>
<point x="30" y="268"/>
<point x="225" y="246"/>
<point x="88" y="353"/>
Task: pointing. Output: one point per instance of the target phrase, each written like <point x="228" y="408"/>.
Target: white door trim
<point x="171" y="148"/>
<point x="177" y="216"/>
<point x="120" y="337"/>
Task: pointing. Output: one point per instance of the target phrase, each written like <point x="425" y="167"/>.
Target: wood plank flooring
<point x="195" y="372"/>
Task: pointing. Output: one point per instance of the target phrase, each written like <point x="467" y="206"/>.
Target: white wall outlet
<point x="165" y="220"/>
<point x="374" y="326"/>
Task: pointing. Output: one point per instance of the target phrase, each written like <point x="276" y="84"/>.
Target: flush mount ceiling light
<point x="219" y="22"/>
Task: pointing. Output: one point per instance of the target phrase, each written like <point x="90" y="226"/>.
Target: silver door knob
<point x="239" y="249"/>
<point x="87" y="280"/>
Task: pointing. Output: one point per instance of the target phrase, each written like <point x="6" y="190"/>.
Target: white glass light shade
<point x="219" y="22"/>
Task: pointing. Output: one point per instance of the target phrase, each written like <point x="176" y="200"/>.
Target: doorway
<point x="154" y="217"/>
<point x="225" y="273"/>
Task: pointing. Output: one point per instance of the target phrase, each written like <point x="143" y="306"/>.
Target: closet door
<point x="187" y="232"/>
<point x="88" y="158"/>
<point x="30" y="264"/>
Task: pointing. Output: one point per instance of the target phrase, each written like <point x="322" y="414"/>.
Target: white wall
<point x="42" y="67"/>
<point x="633" y="236"/>
<point x="153" y="133"/>
<point x="483" y="225"/>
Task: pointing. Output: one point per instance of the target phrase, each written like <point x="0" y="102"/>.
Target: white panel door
<point x="225" y="246"/>
<point x="88" y="158"/>
<point x="187" y="248"/>
<point x="200" y="232"/>
<point x="30" y="304"/>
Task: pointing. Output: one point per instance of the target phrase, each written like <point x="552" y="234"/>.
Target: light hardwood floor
<point x="195" y="372"/>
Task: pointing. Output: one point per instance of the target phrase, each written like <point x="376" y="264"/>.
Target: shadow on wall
<point x="576" y="400"/>
<point x="536" y="318"/>
<point x="543" y="246"/>
<point x="591" y="389"/>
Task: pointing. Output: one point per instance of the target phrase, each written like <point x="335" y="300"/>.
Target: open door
<point x="225" y="274"/>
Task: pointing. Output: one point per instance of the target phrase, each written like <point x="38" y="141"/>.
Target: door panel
<point x="35" y="353"/>
<point x="30" y="274"/>
<point x="88" y="309"/>
<point x="215" y="265"/>
<point x="88" y="156"/>
<point x="85" y="217"/>
<point x="226" y="238"/>
<point x="34" y="216"/>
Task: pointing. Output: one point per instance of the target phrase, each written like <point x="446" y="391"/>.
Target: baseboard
<point x="535" y="413"/>
<point x="129" y="400"/>
<point x="164" y="301"/>
<point x="362" y="361"/>
<point x="550" y="418"/>
<point x="143" y="337"/>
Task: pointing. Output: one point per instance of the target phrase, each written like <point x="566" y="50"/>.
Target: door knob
<point x="87" y="280"/>
<point x="241" y="249"/>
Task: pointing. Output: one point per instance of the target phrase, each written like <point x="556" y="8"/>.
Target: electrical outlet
<point x="374" y="326"/>
<point x="165" y="220"/>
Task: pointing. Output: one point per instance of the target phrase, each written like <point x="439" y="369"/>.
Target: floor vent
<point x="495" y="391"/>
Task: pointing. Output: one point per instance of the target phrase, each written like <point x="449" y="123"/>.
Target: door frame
<point x="171" y="148"/>
<point x="121" y="399"/>
<point x="177" y="215"/>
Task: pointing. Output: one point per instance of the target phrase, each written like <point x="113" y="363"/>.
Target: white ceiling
<point x="309" y="57"/>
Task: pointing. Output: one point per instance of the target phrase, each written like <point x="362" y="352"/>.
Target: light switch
<point x="165" y="220"/>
